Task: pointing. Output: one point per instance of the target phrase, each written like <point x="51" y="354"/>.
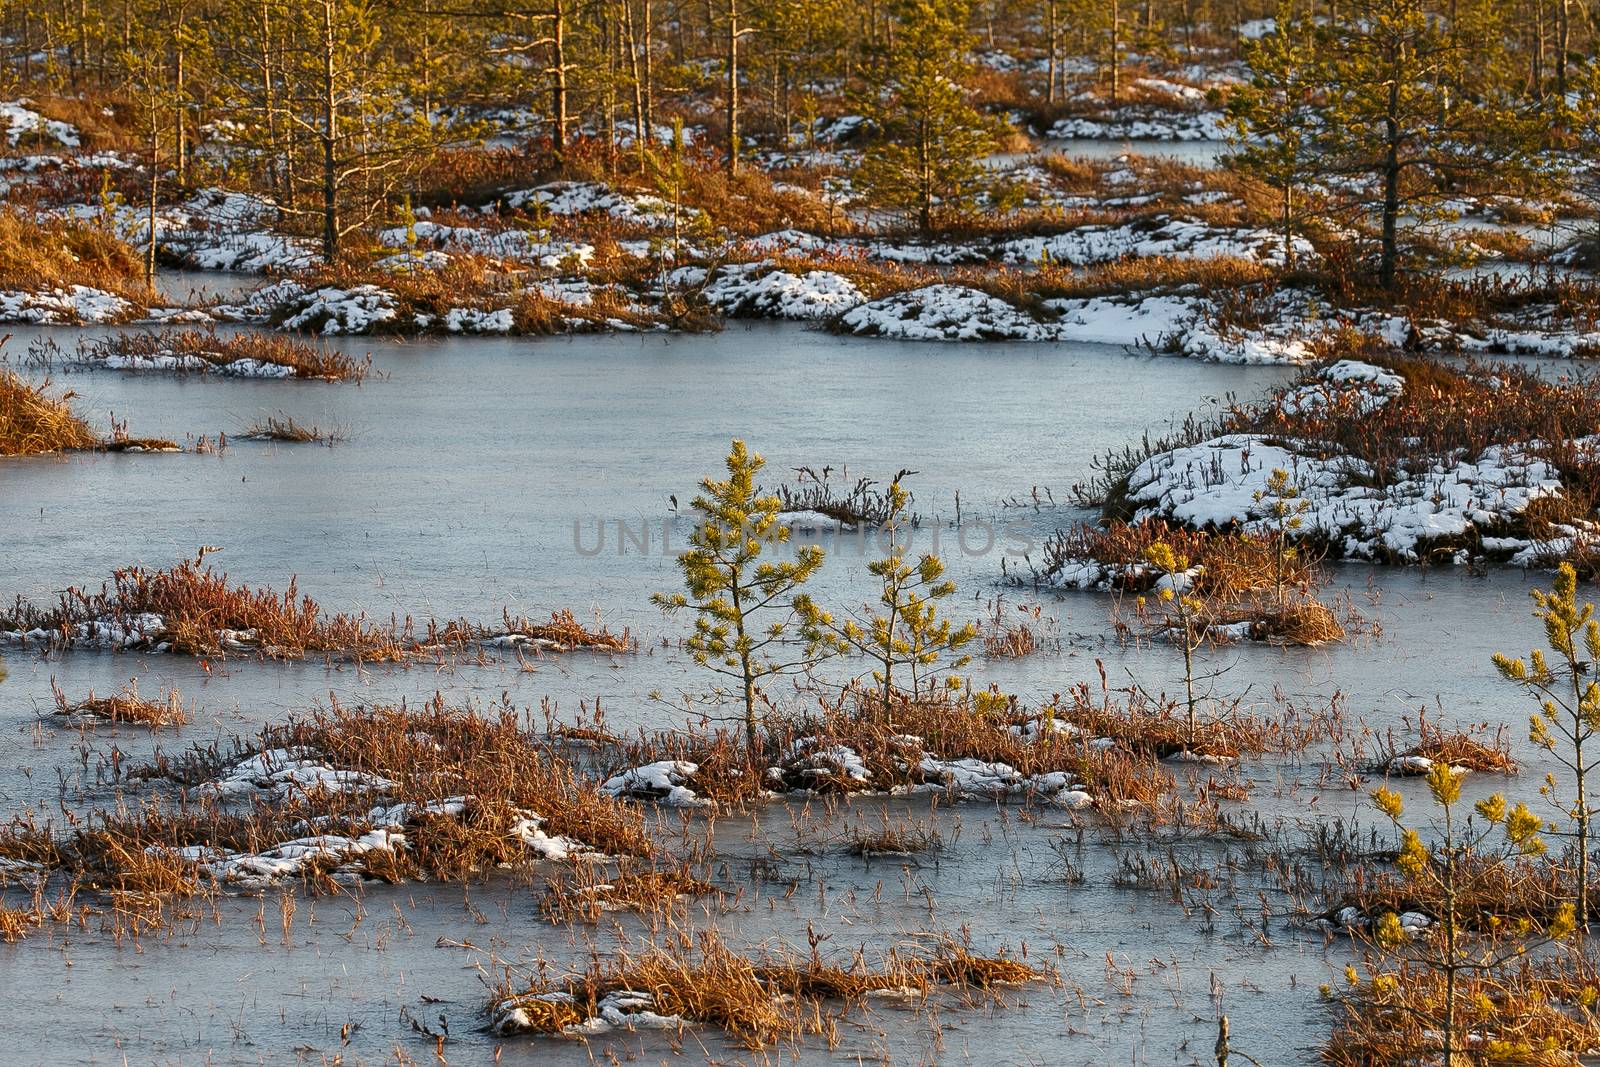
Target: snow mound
<point x="520" y="246"/>
<point x="19" y="119"/>
<point x="76" y="305"/>
<point x="945" y="313"/>
<point x="1214" y="484"/>
<point x="662" y="782"/>
<point x="1163" y="236"/>
<point x="743" y="290"/>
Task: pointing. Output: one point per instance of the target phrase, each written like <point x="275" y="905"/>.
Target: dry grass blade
<point x="182" y="351"/>
<point x="127" y="706"/>
<point x="42" y="254"/>
<point x="32" y="422"/>
<point x="687" y="981"/>
<point x="284" y="428"/>
<point x="587" y="892"/>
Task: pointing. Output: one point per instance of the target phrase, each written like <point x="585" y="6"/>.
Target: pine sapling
<point x="1283" y="508"/>
<point x="1183" y="611"/>
<point x="745" y="606"/>
<point x="1569" y="706"/>
<point x="1454" y="879"/>
<point x="906" y="631"/>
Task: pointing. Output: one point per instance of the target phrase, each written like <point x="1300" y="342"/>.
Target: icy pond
<point x="483" y="474"/>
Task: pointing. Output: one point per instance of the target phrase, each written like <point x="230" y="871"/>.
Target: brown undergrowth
<point x="35" y="422"/>
<point x="1240" y="577"/>
<point x="1540" y="1010"/>
<point x="215" y="351"/>
<point x="193" y="609"/>
<point x="587" y="892"/>
<point x="460" y="794"/>
<point x="758" y="1001"/>
<point x="126" y="706"/>
<point x="38" y="254"/>
<point x="1445" y="414"/>
<point x="857" y="744"/>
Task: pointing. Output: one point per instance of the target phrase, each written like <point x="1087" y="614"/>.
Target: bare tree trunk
<point x="330" y="135"/>
<point x="155" y="180"/>
<point x="1563" y="43"/>
<point x="733" y="87"/>
<point x="641" y="135"/>
<point x="1390" y="254"/>
<point x="558" y="81"/>
<point x="649" y="68"/>
<point x="1116" y="51"/>
<point x="180" y="131"/>
<point x="1050" y="33"/>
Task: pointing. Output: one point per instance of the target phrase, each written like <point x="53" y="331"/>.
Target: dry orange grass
<point x="565" y="633"/>
<point x="470" y="784"/>
<point x="891" y="742"/>
<point x="33" y="422"/>
<point x="1534" y="1011"/>
<point x="1467" y="749"/>
<point x="305" y="360"/>
<point x="1160" y="728"/>
<point x="55" y="255"/>
<point x="1495" y="892"/>
<point x="434" y="752"/>
<point x="757" y="1002"/>
<point x="1243" y="577"/>
<point x="127" y="706"/>
<point x="200" y="607"/>
<point x="587" y="891"/>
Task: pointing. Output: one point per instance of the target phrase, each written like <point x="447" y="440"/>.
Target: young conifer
<point x="905" y="636"/>
<point x="745" y="605"/>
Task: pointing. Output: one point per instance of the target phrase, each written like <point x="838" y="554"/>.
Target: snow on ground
<point x="188" y="362"/>
<point x="212" y="230"/>
<point x="144" y="632"/>
<point x="520" y="246"/>
<point x="662" y="782"/>
<point x="77" y="305"/>
<point x="1369" y="387"/>
<point x="625" y="1009"/>
<point x="1536" y="331"/>
<point x="19" y="119"/>
<point x="1222" y="483"/>
<point x="979" y="779"/>
<point x="944" y="313"/>
<point x="1125" y="320"/>
<point x="1164" y="236"/>
<point x="1187" y="94"/>
<point x="474" y="320"/>
<point x="282" y="773"/>
<point x="1143" y="124"/>
<point x="331" y="310"/>
<point x="755" y="290"/>
<point x="581" y="198"/>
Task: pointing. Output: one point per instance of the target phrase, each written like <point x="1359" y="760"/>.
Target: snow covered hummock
<point x="754" y="290"/>
<point x="1215" y="484"/>
<point x="76" y="305"/>
<point x="945" y="313"/>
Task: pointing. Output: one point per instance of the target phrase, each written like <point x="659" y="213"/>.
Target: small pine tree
<point x="930" y="138"/>
<point x="1183" y="612"/>
<point x="1401" y="112"/>
<point x="1569" y="705"/>
<point x="1273" y="118"/>
<point x="907" y="633"/>
<point x="408" y="219"/>
<point x="1463" y="865"/>
<point x="1284" y="510"/>
<point x="745" y="606"/>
